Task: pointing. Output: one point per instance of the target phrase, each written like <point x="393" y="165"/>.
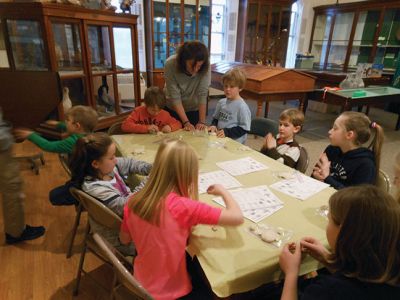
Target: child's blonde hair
<point x="367" y="246"/>
<point x="175" y="169"/>
<point x="234" y="77"/>
<point x="295" y="116"/>
<point x="84" y="115"/>
<point x="154" y="96"/>
<point x="361" y="125"/>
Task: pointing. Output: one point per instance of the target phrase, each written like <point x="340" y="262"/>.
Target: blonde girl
<point x="159" y="218"/>
<point x="363" y="233"/>
<point x="346" y="161"/>
<point x="99" y="173"/>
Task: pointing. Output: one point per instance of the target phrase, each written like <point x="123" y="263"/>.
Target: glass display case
<point x="94" y="52"/>
<point x="264" y="38"/>
<point x="346" y="35"/>
<point x="170" y="23"/>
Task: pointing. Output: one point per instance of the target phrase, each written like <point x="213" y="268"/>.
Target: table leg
<point x="266" y="109"/>
<point x="398" y="123"/>
<point x="259" y="108"/>
<point x="303" y="102"/>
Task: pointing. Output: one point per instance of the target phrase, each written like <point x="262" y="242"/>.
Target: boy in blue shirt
<point x="232" y="115"/>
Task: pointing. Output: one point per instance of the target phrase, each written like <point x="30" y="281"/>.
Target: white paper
<point x="216" y="177"/>
<point x="241" y="166"/>
<point x="256" y="203"/>
<point x="300" y="186"/>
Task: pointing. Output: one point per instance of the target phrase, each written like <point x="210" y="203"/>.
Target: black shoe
<point x="29" y="233"/>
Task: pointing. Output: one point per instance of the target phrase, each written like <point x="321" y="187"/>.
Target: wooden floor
<point x="39" y="269"/>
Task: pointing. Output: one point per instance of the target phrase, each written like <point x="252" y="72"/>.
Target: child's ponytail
<point x="376" y="145"/>
<point x="87" y="149"/>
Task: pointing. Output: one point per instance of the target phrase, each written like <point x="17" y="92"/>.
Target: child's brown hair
<point x="154" y="96"/>
<point x="368" y="243"/>
<point x="361" y="125"/>
<point x="84" y="115"/>
<point x="295" y="116"/>
<point x="234" y="77"/>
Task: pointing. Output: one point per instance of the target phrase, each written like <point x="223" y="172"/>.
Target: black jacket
<point x="351" y="168"/>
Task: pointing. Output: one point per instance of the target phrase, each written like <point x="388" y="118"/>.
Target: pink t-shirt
<point x="160" y="265"/>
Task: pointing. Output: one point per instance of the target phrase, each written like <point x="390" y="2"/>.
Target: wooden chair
<point x="64" y="157"/>
<point x="262" y="126"/>
<point x="115" y="129"/>
<point x="383" y="181"/>
<point x="125" y="286"/>
<point x="304" y="160"/>
<point x="99" y="213"/>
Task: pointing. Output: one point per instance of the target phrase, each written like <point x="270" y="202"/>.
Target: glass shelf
<point x="27" y="45"/>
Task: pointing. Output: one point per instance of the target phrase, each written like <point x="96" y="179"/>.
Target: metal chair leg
<point x="81" y="261"/>
<point x="74" y="229"/>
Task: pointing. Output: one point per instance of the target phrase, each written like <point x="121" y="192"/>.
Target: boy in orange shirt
<point x="151" y="118"/>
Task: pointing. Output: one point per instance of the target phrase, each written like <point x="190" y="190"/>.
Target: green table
<point x="233" y="260"/>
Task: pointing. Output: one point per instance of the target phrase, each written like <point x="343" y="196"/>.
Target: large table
<point x="232" y="259"/>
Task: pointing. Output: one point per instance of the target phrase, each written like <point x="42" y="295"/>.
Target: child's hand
<point x="216" y="189"/>
<point x="290" y="259"/>
<point x="322" y="168"/>
<point x="188" y="126"/>
<point x="152" y="129"/>
<point x="22" y="133"/>
<point x="212" y="129"/>
<point x="221" y="133"/>
<point x="315" y="249"/>
<point x="52" y="122"/>
<point x="270" y="141"/>
<point x="166" y="129"/>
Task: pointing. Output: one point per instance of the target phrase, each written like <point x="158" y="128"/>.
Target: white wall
<point x="308" y="17"/>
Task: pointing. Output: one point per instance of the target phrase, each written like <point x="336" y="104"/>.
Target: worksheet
<point x="299" y="186"/>
<point x="256" y="202"/>
<point x="241" y="166"/>
<point x="220" y="177"/>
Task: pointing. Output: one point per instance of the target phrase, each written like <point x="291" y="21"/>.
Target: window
<point x="293" y="36"/>
<point x="218" y="34"/>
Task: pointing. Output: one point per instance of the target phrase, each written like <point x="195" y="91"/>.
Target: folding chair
<point x="383" y="181"/>
<point x="125" y="286"/>
<point x="304" y="160"/>
<point x="262" y="126"/>
<point x="102" y="215"/>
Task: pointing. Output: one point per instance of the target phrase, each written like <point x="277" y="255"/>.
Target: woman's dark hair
<point x="87" y="149"/>
<point x="193" y="50"/>
<point x="368" y="244"/>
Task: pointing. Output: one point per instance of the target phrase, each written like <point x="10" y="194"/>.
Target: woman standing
<point x="187" y="77"/>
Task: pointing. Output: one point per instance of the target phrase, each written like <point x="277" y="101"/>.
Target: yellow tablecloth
<point x="234" y="260"/>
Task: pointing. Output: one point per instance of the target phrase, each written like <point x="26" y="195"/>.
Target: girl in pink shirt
<point x="159" y="218"/>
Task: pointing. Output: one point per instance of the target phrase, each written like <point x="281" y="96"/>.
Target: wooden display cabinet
<point x="264" y="38"/>
<point x="170" y="23"/>
<point x="94" y="52"/>
<point x="347" y="34"/>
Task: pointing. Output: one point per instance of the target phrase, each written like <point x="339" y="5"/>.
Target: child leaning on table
<point x="159" y="218"/>
<point x="79" y="121"/>
<point x="363" y="233"/>
<point x="151" y="118"/>
<point x="345" y="161"/>
<point x="232" y="116"/>
<point x="284" y="148"/>
<point x="96" y="170"/>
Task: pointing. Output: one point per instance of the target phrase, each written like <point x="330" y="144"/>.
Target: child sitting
<point x="79" y="120"/>
<point x="284" y="148"/>
<point x="363" y="233"/>
<point x="99" y="173"/>
<point x="345" y="161"/>
<point x="151" y="118"/>
<point x="232" y="116"/>
<point x="159" y="218"/>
